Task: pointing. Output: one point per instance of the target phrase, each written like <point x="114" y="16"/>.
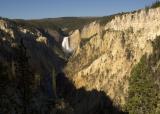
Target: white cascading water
<point x="65" y="45"/>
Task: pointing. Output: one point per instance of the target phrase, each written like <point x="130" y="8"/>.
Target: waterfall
<point x="65" y="45"/>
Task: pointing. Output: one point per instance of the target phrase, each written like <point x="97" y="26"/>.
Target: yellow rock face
<point x="42" y="39"/>
<point x="5" y="26"/>
<point x="105" y="61"/>
<point x="90" y="30"/>
<point x="74" y="40"/>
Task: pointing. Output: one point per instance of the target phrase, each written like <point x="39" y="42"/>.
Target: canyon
<point x="87" y="70"/>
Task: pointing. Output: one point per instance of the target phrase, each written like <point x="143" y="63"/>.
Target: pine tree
<point x="4" y="81"/>
<point x="54" y="83"/>
<point x="24" y="76"/>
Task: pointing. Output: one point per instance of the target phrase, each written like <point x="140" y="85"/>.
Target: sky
<point x="38" y="9"/>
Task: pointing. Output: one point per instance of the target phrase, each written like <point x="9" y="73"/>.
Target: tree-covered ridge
<point x="144" y="84"/>
<point x="155" y="4"/>
<point x="67" y="24"/>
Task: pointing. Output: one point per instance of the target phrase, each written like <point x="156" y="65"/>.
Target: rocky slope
<point x="108" y="53"/>
<point x="46" y="60"/>
<point x="53" y="92"/>
<point x="43" y="50"/>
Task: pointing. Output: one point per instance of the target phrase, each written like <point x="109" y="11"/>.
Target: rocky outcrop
<point x="105" y="61"/>
<point x="74" y="40"/>
<point x="42" y="39"/>
<point x="6" y="27"/>
<point x="56" y="34"/>
<point x="90" y="30"/>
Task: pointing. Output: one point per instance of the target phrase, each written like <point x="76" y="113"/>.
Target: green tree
<point x="25" y="77"/>
<point x="4" y="81"/>
<point x="142" y="95"/>
<point x="144" y="84"/>
<point x="54" y="83"/>
<point x="156" y="4"/>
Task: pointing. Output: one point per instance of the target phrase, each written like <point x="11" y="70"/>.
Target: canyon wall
<point x="105" y="61"/>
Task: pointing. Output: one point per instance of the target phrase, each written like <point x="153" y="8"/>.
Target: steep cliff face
<point x="74" y="40"/>
<point x="44" y="52"/>
<point x="45" y="60"/>
<point x="90" y="30"/>
<point x="148" y="21"/>
<point x="105" y="60"/>
<point x="34" y="38"/>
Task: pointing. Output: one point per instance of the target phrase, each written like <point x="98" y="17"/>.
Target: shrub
<point x="144" y="87"/>
<point x="142" y="91"/>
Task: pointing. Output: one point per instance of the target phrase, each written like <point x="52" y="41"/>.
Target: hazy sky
<point x="32" y="9"/>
